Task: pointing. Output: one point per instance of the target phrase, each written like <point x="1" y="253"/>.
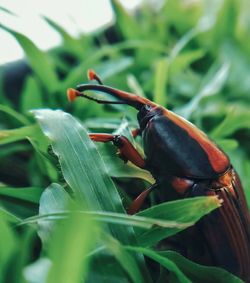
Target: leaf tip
<point x="217" y="200"/>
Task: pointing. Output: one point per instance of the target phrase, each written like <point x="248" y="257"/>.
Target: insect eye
<point x="144" y="114"/>
<point x="145" y="109"/>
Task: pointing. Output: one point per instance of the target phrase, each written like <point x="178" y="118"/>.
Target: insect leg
<point x="136" y="132"/>
<point x="138" y="202"/>
<point x="126" y="150"/>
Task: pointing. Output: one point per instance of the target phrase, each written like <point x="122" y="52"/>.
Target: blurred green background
<point x="192" y="57"/>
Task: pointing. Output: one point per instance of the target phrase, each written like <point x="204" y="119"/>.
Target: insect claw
<point x="121" y="156"/>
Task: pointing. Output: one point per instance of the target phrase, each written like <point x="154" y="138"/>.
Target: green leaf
<point x="183" y="60"/>
<point x="182" y="211"/>
<point x="161" y="79"/>
<point x="48" y="212"/>
<point x="114" y="66"/>
<point x="241" y="164"/>
<point x="118" y="169"/>
<point x="75" y="75"/>
<point x="199" y="273"/>
<point x="8" y="244"/>
<point x="127" y="24"/>
<point x="38" y="60"/>
<point x="238" y="118"/>
<point x="227" y="144"/>
<point x="204" y="24"/>
<point x="165" y="262"/>
<point x="83" y="168"/>
<point x="9" y="217"/>
<point x="7" y="11"/>
<point x="134" y="85"/>
<point x="124" y="257"/>
<point x="14" y="114"/>
<point x="31" y="194"/>
<point x="104" y="69"/>
<point x="37" y="271"/>
<point x="211" y="85"/>
<point x="77" y="235"/>
<point x="158" y="220"/>
<point x="78" y="155"/>
<point x="18" y="208"/>
<point x="9" y="136"/>
<point x="73" y="45"/>
<point x="31" y="96"/>
<point x="54" y="199"/>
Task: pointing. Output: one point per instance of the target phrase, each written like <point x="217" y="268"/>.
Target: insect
<point x="184" y="163"/>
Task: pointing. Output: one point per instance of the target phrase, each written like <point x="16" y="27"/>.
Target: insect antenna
<point x="92" y="75"/>
<point x="73" y="94"/>
<point x="124" y="97"/>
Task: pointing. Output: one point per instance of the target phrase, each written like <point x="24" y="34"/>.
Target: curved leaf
<point x="184" y="211"/>
<point x="83" y="168"/>
<point x="37" y="59"/>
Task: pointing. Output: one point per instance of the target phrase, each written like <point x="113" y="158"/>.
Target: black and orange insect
<point x="185" y="163"/>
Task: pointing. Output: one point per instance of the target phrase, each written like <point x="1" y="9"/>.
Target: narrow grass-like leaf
<point x="31" y="194"/>
<point x="8" y="244"/>
<point x="205" y="23"/>
<point x="114" y="66"/>
<point x="236" y="119"/>
<point x="38" y="60"/>
<point x="54" y="199"/>
<point x="48" y="213"/>
<point x="13" y="148"/>
<point x="200" y="273"/>
<point x="105" y="69"/>
<point x="183" y="42"/>
<point x="8" y="136"/>
<point x="27" y="239"/>
<point x="212" y="84"/>
<point x="242" y="165"/>
<point x="83" y="168"/>
<point x="77" y="235"/>
<point x="19" y="208"/>
<point x="127" y="24"/>
<point x="125" y="258"/>
<point x="227" y="144"/>
<point x="72" y="44"/>
<point x="183" y="211"/>
<point x="7" y="11"/>
<point x="134" y="85"/>
<point x="165" y="262"/>
<point x="118" y="169"/>
<point x="75" y="75"/>
<point x="31" y="96"/>
<point x="161" y="79"/>
<point x="9" y="217"/>
<point x="14" y="114"/>
<point x="183" y="60"/>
